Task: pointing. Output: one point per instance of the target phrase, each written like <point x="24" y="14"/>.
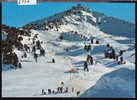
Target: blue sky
<point x="14" y="15"/>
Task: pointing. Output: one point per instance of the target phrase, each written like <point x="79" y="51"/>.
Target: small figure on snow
<point x="92" y="41"/>
<point x="20" y="65"/>
<point x="116" y="58"/>
<point x="108" y="45"/>
<point x="121" y="52"/>
<point x="78" y="92"/>
<point x="35" y="56"/>
<point x="66" y="90"/>
<point x="53" y="92"/>
<point x="58" y="89"/>
<point x="61" y="89"/>
<point x="53" y="60"/>
<point x="43" y="92"/>
<point x="97" y="41"/>
<point x="25" y="54"/>
<point x="72" y="89"/>
<point x="113" y="53"/>
<point x="86" y="66"/>
<point x="34" y="49"/>
<point x="91" y="60"/>
<point x="49" y="91"/>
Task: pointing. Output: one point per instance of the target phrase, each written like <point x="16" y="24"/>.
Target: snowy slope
<point x="112" y="25"/>
<point x="118" y="83"/>
<point x="78" y="16"/>
<point x="43" y="74"/>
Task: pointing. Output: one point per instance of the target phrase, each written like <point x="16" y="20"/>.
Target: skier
<point x="53" y="92"/>
<point x="116" y="58"/>
<point x="108" y="45"/>
<point x="92" y="41"/>
<point x="72" y="89"/>
<point x="62" y="83"/>
<point x="61" y="89"/>
<point x="35" y="56"/>
<point x="15" y="59"/>
<point x="38" y="44"/>
<point x="91" y="60"/>
<point x="121" y="53"/>
<point x="58" y="89"/>
<point x="78" y="92"/>
<point x="20" y="65"/>
<point x="34" y="49"/>
<point x="85" y="47"/>
<point x="113" y="53"/>
<point x="43" y="92"/>
<point x="97" y="41"/>
<point x="121" y="60"/>
<point x="53" y="60"/>
<point x="110" y="55"/>
<point x="42" y="52"/>
<point x="88" y="58"/>
<point x="66" y="90"/>
<point x="86" y="66"/>
<point x="25" y="54"/>
<point x="49" y="91"/>
<point x="33" y="41"/>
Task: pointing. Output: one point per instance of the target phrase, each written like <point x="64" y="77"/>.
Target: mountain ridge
<point x="79" y="14"/>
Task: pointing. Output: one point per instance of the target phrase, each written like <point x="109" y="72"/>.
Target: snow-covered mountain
<point x="81" y="17"/>
<point x="63" y="36"/>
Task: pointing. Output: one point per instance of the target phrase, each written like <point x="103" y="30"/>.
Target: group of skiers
<point x="57" y="91"/>
<point x="86" y="66"/>
<point x="37" y="46"/>
<point x="60" y="89"/>
<point x="80" y="35"/>
<point x="27" y="48"/>
<point x="94" y="41"/>
<point x="19" y="65"/>
<point x="37" y="49"/>
<point x="110" y="53"/>
<point x="119" y="58"/>
<point x="35" y="54"/>
<point x="87" y="47"/>
<point x="89" y="60"/>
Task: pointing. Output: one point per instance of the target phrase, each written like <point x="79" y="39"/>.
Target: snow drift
<point x="119" y="83"/>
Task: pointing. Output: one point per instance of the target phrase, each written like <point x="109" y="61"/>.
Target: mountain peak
<point x="81" y="17"/>
<point x="77" y="9"/>
<point x="80" y="7"/>
<point x="76" y="12"/>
